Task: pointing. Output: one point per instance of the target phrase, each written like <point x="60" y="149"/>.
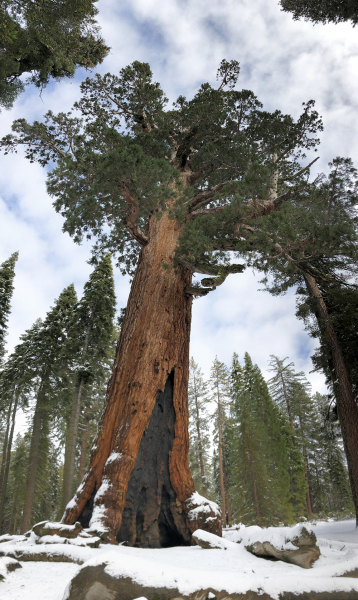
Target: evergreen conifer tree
<point x="219" y="394"/>
<point x="7" y="274"/>
<point x="331" y="484"/>
<point x="312" y="245"/>
<point x="262" y="457"/>
<point x="88" y="343"/>
<point x="291" y="392"/>
<point x="46" y="366"/>
<point x="199" y="428"/>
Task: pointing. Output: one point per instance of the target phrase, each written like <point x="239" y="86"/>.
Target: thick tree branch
<point x="133" y="216"/>
<point x="219" y="274"/>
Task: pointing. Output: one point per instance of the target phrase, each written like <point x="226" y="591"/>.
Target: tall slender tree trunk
<point x="84" y="440"/>
<point x="33" y="461"/>
<point x="347" y="408"/>
<point x="5" y="444"/>
<point x="70" y="449"/>
<point x="258" y="514"/>
<point x="138" y="478"/>
<point x="7" y="465"/>
<point x="228" y="507"/>
<point x="200" y="450"/>
<point x="222" y="487"/>
<point x="304" y="453"/>
<point x="71" y="441"/>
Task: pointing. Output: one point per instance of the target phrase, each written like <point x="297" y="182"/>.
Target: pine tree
<point x="291" y="392"/>
<point x="313" y="245"/>
<point x="262" y="451"/>
<point x="324" y="11"/>
<point x="150" y="185"/>
<point x="219" y="394"/>
<point x="199" y="428"/>
<point x="7" y="274"/>
<point x="17" y="489"/>
<point x="46" y="39"/>
<point x="45" y="363"/>
<point x="89" y="339"/>
<point x="332" y="482"/>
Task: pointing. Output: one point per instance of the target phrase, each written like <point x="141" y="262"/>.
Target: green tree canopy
<point x="46" y="39"/>
<point x="7" y="274"/>
<point x="324" y="11"/>
<point x="215" y="163"/>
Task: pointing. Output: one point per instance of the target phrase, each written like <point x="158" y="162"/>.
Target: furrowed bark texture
<point x="153" y="345"/>
<point x="347" y="408"/>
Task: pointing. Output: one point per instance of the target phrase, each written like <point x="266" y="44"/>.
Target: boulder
<point x="203" y="514"/>
<point x="64" y="531"/>
<point x="8" y="565"/>
<point x="93" y="583"/>
<point x="28" y="555"/>
<point x="306" y="554"/>
<point x="210" y="541"/>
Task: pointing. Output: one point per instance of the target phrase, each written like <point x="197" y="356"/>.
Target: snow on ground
<point x="192" y="568"/>
<point x="37" y="581"/>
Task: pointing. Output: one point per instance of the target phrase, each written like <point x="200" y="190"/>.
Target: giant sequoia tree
<point x="168" y="191"/>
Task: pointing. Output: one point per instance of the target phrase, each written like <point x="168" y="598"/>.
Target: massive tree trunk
<point x="347" y="407"/>
<point x="138" y="478"/>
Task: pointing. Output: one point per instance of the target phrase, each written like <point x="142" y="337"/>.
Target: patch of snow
<point x="112" y="457"/>
<point x="79" y="541"/>
<point x="58" y="525"/>
<point x="72" y="503"/>
<point x="37" y="580"/>
<point x="96" y="524"/>
<point x="105" y="485"/>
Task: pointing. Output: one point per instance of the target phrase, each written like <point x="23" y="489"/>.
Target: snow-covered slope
<point x="191" y="568"/>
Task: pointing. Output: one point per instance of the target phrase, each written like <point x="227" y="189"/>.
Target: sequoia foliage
<point x="46" y="39"/>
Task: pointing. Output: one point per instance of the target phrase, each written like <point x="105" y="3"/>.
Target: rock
<point x="210" y="541"/>
<point x="306" y="554"/>
<point x="93" y="583"/>
<point x="65" y="531"/>
<point x="27" y="555"/>
<point x="203" y="514"/>
<point x="8" y="565"/>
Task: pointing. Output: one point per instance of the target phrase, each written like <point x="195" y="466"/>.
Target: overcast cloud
<point x="284" y="62"/>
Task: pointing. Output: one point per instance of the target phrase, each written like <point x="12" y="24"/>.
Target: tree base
<point x="152" y="515"/>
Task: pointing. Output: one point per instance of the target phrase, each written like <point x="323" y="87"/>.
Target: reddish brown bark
<point x="347" y="407"/>
<point x="153" y="344"/>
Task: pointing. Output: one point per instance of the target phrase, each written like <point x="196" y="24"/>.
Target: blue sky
<point x="284" y="62"/>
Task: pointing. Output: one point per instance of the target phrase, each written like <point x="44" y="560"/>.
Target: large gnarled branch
<point x="133" y="216"/>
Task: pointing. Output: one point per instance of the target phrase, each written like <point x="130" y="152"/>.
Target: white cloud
<point x="283" y="62"/>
